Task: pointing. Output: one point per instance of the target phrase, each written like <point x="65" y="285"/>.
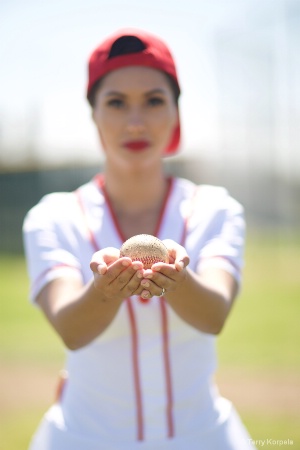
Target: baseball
<point x="145" y="248"/>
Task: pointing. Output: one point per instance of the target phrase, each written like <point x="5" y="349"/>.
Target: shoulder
<point x="58" y="207"/>
<point x="206" y="196"/>
<point x="218" y="198"/>
<point x="184" y="186"/>
<point x="52" y="205"/>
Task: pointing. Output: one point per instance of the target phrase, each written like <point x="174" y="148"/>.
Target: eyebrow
<point x="110" y="93"/>
<point x="147" y="94"/>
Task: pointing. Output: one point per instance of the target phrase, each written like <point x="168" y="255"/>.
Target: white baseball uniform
<point x="146" y="381"/>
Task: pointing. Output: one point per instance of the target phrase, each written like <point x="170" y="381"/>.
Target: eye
<point x="116" y="103"/>
<point x="155" y="101"/>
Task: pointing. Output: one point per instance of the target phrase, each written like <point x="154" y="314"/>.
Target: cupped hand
<point x="115" y="277"/>
<point x="163" y="278"/>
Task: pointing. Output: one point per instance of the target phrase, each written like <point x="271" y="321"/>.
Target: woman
<point x="140" y="343"/>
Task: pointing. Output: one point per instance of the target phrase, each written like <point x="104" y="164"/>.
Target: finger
<point x="155" y="289"/>
<point x="182" y="262"/>
<point x="121" y="271"/>
<point x="121" y="280"/>
<point x="165" y="276"/>
<point x="100" y="268"/>
<point x="133" y="286"/>
<point x="146" y="294"/>
<point x="96" y="266"/>
<point x="178" y="254"/>
<point x="103" y="258"/>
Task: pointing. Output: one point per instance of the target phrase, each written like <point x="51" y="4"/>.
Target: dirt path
<point x="267" y="393"/>
<point x="22" y="387"/>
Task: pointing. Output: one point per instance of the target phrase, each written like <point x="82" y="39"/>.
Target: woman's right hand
<point x="115" y="277"/>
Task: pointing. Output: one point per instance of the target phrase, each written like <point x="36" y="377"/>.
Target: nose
<point x="135" y="121"/>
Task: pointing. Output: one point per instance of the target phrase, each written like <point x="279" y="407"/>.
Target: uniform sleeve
<point x="224" y="246"/>
<point x="49" y="242"/>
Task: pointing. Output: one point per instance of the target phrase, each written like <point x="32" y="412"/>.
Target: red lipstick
<point x="137" y="145"/>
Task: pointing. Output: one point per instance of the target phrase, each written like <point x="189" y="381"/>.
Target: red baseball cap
<point x="153" y="53"/>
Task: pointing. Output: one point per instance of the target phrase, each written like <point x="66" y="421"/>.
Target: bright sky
<point x="44" y="48"/>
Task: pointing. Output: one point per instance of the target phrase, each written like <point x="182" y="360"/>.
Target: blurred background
<point x="239" y="67"/>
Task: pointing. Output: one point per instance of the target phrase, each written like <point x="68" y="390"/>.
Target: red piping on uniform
<point x="164" y="316"/>
<point x="136" y="372"/>
<point x="134" y="332"/>
<point x="166" y="356"/>
<point x="187" y="218"/>
<point x="163" y="207"/>
<point x="99" y="179"/>
<point x="91" y="236"/>
<point x="170" y="425"/>
<point x="61" y="386"/>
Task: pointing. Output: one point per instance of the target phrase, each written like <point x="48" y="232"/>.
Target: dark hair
<point x="123" y="46"/>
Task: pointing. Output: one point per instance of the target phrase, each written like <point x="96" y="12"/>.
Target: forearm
<point x="204" y="306"/>
<point x="79" y="314"/>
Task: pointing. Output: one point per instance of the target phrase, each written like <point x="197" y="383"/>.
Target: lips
<point x="136" y="145"/>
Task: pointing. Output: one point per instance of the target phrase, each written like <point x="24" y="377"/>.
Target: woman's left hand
<point x="162" y="277"/>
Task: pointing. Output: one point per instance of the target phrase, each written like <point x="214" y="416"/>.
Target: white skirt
<point x="228" y="433"/>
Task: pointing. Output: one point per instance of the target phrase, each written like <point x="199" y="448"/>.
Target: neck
<point x="137" y="200"/>
<point x="136" y="191"/>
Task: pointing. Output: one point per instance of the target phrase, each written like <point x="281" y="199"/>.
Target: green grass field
<point x="259" y="357"/>
<point x="263" y="330"/>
